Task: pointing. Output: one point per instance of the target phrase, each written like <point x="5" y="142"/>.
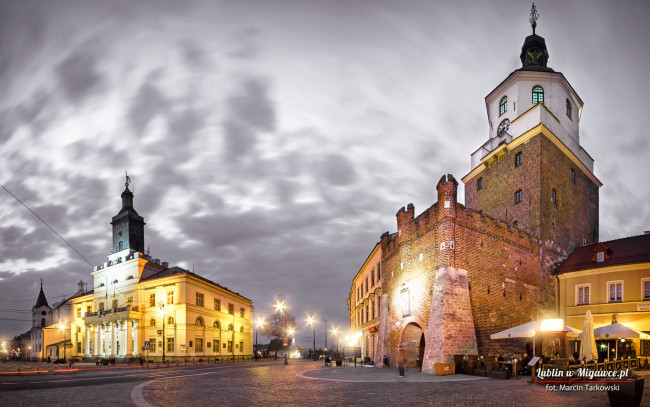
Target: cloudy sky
<point x="270" y="143"/>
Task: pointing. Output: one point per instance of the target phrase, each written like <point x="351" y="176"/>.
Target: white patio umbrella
<point x="526" y="331"/>
<point x="588" y="344"/>
<point x="617" y="331"/>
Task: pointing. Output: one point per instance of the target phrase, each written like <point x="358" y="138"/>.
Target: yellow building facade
<point x="136" y="299"/>
<point x="612" y="280"/>
<point x="364" y="305"/>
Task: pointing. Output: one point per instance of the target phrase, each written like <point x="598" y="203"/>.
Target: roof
<point x="170" y="271"/>
<point x="41" y="299"/>
<point x="628" y="250"/>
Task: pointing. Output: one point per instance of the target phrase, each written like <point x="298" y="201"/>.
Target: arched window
<point x="199" y="321"/>
<point x="170" y="321"/>
<point x="217" y="324"/>
<point x="538" y="95"/>
<point x="568" y="108"/>
<point x="152" y="322"/>
<point x="231" y="327"/>
<point x="129" y="278"/>
<point x="503" y="105"/>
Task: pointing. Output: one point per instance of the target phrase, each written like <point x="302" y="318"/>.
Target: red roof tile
<point x="633" y="249"/>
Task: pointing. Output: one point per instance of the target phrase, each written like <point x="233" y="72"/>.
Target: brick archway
<point x="414" y="342"/>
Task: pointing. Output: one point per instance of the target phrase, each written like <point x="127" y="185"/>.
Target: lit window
<point x="78" y="312"/>
<point x="217" y="347"/>
<point x="646" y="290"/>
<point x="573" y="176"/>
<point x="229" y="346"/>
<point x="615" y="291"/>
<point x="152" y="322"/>
<point x="479" y="184"/>
<point x="199" y="299"/>
<point x="198" y="344"/>
<point x="582" y="292"/>
<point x="152" y="345"/>
<point x="519" y="159"/>
<point x="242" y="312"/>
<point x="152" y="300"/>
<point x="406" y="302"/>
<point x="518" y="196"/>
<point x="538" y="95"/>
<point x="170" y="320"/>
<point x="170" y="344"/>
<point x="554" y="196"/>
<point x="170" y="297"/>
<point x="568" y="108"/>
<point x="503" y="105"/>
<point x="217" y="304"/>
<point x="217" y="324"/>
<point x="241" y="346"/>
<point x="231" y="309"/>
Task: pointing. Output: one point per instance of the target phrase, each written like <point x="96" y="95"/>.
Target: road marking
<point x="9" y="383"/>
<point x="137" y="397"/>
<point x="378" y="380"/>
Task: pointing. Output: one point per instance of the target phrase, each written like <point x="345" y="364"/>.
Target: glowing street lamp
<point x="280" y="306"/>
<point x="335" y="332"/>
<point x="260" y="323"/>
<point x="311" y="321"/>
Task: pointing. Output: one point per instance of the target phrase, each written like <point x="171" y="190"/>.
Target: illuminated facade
<point x="608" y="278"/>
<point x="136" y="298"/>
<point x="456" y="273"/>
<point x="364" y="304"/>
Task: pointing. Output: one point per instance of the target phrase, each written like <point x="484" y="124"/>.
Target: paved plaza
<point x="271" y="383"/>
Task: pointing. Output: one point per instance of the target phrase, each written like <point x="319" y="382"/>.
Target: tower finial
<point x="534" y="15"/>
<point x="128" y="179"/>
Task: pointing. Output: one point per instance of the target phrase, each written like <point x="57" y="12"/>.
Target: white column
<point x="87" y="337"/>
<point x="136" y="337"/>
<point x="129" y="350"/>
<point x="113" y="344"/>
<point x="97" y="342"/>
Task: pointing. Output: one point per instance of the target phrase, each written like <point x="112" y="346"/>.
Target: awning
<point x="526" y="331"/>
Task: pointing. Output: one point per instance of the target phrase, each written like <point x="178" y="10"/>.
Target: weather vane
<point x="534" y="15"/>
<point x="128" y="179"/>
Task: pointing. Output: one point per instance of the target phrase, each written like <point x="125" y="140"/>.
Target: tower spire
<point x="534" y="15"/>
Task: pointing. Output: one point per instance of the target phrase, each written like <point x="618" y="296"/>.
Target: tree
<point x="276" y="326"/>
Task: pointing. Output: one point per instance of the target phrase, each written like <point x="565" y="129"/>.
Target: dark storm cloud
<point x="161" y="180"/>
<point x="79" y="75"/>
<point x="149" y="102"/>
<point x="249" y="110"/>
<point x="337" y="170"/>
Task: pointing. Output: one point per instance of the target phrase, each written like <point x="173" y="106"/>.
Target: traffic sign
<point x="285" y="341"/>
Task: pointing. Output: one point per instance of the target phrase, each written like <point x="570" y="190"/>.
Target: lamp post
<point x="311" y="321"/>
<point x="29" y="355"/>
<point x="280" y="306"/>
<point x="62" y="328"/>
<point x="260" y="323"/>
<point x="161" y="312"/>
<point x="335" y="332"/>
<point x="292" y="333"/>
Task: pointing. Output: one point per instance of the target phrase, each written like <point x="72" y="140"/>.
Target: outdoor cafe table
<point x="513" y="367"/>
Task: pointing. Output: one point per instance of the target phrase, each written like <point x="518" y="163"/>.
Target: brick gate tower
<point x="532" y="172"/>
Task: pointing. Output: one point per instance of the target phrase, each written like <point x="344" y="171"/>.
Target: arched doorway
<point x="413" y="341"/>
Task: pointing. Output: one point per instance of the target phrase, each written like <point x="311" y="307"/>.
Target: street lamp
<point x="29" y="355"/>
<point x="335" y="332"/>
<point x="311" y="321"/>
<point x="279" y="306"/>
<point x="260" y="323"/>
<point x="62" y="328"/>
<point x="161" y="312"/>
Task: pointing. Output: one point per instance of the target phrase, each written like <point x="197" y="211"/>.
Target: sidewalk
<point x="371" y="374"/>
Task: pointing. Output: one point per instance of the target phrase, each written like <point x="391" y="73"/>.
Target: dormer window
<point x="538" y="95"/>
<point x="503" y="105"/>
<point x="600" y="257"/>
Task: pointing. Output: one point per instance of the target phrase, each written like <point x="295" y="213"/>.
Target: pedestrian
<point x="142" y="362"/>
<point x="401" y="360"/>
